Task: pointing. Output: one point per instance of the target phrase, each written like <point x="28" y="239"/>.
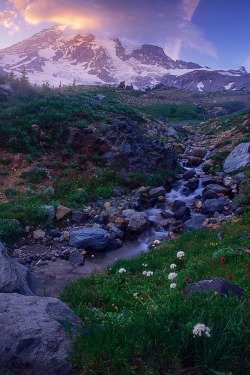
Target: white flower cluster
<point x="173" y="265"/>
<point x="156" y="243"/>
<point x="200" y="329"/>
<point x="144" y="265"/>
<point x="122" y="270"/>
<point x="172" y="286"/>
<point x="135" y="295"/>
<point x="147" y="273"/>
<point x="172" y="275"/>
<point x="180" y="254"/>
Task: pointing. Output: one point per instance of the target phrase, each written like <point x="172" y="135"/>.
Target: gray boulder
<point x="192" y="184"/>
<point x="182" y="213"/>
<point x="219" y="285"/>
<point x="238" y="158"/>
<point x="189" y="174"/>
<point x="156" y="192"/>
<point x="89" y="238"/>
<point x="14" y="277"/>
<point x="193" y="161"/>
<point x="138" y="222"/>
<point x="199" y="152"/>
<point x="219" y="189"/>
<point x="76" y="258"/>
<point x="210" y="206"/>
<point x="33" y="338"/>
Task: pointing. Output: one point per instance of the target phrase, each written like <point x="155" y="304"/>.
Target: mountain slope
<point x="58" y="57"/>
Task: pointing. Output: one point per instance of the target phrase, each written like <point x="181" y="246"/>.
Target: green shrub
<point x="35" y="175"/>
<point x="10" y="230"/>
<point x="38" y="216"/>
<point x="5" y="172"/>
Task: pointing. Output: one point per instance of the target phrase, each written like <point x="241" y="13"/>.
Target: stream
<point x="52" y="276"/>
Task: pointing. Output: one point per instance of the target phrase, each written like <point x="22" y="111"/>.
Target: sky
<point x="214" y="33"/>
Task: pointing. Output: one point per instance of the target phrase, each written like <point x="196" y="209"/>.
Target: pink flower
<point x="230" y="276"/>
<point x="223" y="259"/>
<point x="187" y="279"/>
<point x="185" y="292"/>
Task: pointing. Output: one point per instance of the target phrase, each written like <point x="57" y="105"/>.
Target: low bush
<point x="10" y="230"/>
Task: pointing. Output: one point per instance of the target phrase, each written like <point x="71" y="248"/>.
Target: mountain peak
<point x="60" y="55"/>
<point x="242" y="69"/>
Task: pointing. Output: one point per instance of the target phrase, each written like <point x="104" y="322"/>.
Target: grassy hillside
<point x="138" y="320"/>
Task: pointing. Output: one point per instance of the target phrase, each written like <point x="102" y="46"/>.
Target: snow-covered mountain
<point x="56" y="56"/>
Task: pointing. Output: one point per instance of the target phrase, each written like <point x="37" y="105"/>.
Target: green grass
<point x="173" y="112"/>
<point x="144" y="333"/>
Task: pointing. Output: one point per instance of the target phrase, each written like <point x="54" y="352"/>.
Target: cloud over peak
<point x="167" y="23"/>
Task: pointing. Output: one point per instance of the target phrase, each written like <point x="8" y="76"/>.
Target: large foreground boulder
<point x="33" y="338"/>
<point x="238" y="158"/>
<point x="89" y="238"/>
<point x="14" y="277"/>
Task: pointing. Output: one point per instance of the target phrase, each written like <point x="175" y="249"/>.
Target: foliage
<point x="173" y="112"/>
<point x="136" y="324"/>
<point x="35" y="175"/>
<point x="10" y="230"/>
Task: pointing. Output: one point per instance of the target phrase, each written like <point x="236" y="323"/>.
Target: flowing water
<point x="54" y="275"/>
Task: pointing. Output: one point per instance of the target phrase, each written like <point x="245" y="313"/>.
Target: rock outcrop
<point x="238" y="158"/>
<point x="34" y="338"/>
<point x="14" y="277"/>
<point x="89" y="238"/>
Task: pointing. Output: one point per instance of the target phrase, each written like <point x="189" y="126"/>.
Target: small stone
<point x="107" y="204"/>
<point x="198" y="204"/>
<point x="66" y="235"/>
<point x="62" y="211"/>
<point x="161" y="199"/>
<point x="38" y="234"/>
<point x="156" y="192"/>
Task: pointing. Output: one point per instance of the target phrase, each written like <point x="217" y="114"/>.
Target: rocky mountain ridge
<point x="55" y="56"/>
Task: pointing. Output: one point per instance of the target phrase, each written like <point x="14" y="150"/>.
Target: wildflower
<point x="185" y="292"/>
<point x="146" y="295"/>
<point x="173" y="265"/>
<point x="230" y="276"/>
<point x="129" y="276"/>
<point x="172" y="275"/>
<point x="187" y="279"/>
<point x="172" y="286"/>
<point x="180" y="254"/>
<point x="200" y="329"/>
<point x="147" y="273"/>
<point x="223" y="259"/>
<point x="156" y="242"/>
<point x="121" y="270"/>
<point x="144" y="265"/>
<point x="135" y="295"/>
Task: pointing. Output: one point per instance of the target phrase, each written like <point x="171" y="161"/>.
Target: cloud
<point x="167" y="23"/>
<point x="19" y="4"/>
<point x="188" y="8"/>
<point x="7" y="18"/>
